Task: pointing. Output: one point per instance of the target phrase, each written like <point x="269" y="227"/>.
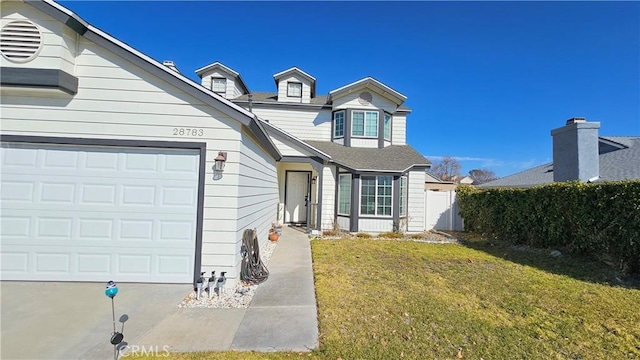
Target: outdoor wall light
<point x="218" y="167"/>
<point x="313" y="179"/>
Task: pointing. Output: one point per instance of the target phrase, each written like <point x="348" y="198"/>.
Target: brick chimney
<point x="575" y="151"/>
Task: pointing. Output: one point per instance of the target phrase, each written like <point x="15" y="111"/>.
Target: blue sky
<point x="487" y="81"/>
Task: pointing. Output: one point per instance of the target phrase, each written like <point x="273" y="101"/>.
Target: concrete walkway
<point x="281" y="317"/>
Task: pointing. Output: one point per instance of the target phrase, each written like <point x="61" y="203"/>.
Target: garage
<point x="100" y="210"/>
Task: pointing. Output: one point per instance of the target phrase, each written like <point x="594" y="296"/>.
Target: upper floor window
<point x="294" y="89"/>
<point x="338" y="124"/>
<point x="219" y="85"/>
<point x="364" y="123"/>
<point x="376" y="195"/>
<point x="387" y="127"/>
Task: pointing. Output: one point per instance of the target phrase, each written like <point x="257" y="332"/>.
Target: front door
<point x="296" y="191"/>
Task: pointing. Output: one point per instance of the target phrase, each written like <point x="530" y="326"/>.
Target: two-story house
<point x="118" y="167"/>
<point x="345" y="161"/>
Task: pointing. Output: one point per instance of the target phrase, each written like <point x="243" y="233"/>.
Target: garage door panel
<point x="82" y="213"/>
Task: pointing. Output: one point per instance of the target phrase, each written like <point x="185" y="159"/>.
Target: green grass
<point x="400" y="299"/>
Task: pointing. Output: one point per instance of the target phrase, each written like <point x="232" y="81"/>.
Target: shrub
<point x="599" y="219"/>
<point x="362" y="235"/>
<point x="391" y="235"/>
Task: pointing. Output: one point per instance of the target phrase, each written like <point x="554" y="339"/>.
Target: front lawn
<point x="388" y="299"/>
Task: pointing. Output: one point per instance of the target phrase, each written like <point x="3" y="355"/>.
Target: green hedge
<point x="599" y="219"/>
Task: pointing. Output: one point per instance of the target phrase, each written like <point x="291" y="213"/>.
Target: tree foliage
<point x="447" y="168"/>
<point x="481" y="176"/>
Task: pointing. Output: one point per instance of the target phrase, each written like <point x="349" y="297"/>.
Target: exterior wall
<point x="306" y="124"/>
<point x="415" y="205"/>
<point x="233" y="90"/>
<point x="117" y="100"/>
<point x="328" y="197"/>
<point x="257" y="194"/>
<point x="306" y="89"/>
<point x="351" y="101"/>
<point x="365" y="143"/>
<point x="344" y="223"/>
<point x="284" y="148"/>
<point x="399" y="129"/>
<point x="375" y="225"/>
<point x="59" y="42"/>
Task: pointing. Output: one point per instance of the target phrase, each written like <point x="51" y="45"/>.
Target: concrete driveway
<point x="54" y="320"/>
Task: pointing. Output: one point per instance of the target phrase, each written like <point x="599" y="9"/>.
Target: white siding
<point x="306" y="89"/>
<point x="375" y="225"/>
<point x="232" y="89"/>
<point x="59" y="42"/>
<point x="306" y="124"/>
<point x="117" y="100"/>
<point x="377" y="102"/>
<point x="365" y="143"/>
<point x="399" y="129"/>
<point x="344" y="223"/>
<point x="415" y="205"/>
<point x="328" y="197"/>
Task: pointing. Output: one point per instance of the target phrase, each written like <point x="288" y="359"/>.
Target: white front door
<point x="296" y="189"/>
<point x="90" y="213"/>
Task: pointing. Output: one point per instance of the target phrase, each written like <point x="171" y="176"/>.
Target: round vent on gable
<point x="365" y="98"/>
<point x="20" y="41"/>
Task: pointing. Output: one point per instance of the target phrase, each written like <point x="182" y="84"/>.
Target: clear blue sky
<point x="486" y="81"/>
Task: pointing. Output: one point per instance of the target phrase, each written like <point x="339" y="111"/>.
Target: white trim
<point x="350" y="192"/>
<point x="361" y="215"/>
<point x="344" y="115"/>
<point x="364" y="124"/>
<point x="216" y="65"/>
<point x="369" y="81"/>
<point x="293" y="69"/>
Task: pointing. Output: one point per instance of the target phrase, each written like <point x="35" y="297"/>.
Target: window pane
<point x="372" y="124"/>
<point x="294" y="89"/>
<point x="338" y="126"/>
<point x="368" y="195"/>
<point x="403" y="196"/>
<point x="387" y="127"/>
<point x="344" y="194"/>
<point x="219" y="85"/>
<point x="357" y="119"/>
<point x="384" y="195"/>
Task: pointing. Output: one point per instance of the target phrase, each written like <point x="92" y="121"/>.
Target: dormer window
<point x="294" y="89"/>
<point x="364" y="123"/>
<point x="338" y="124"/>
<point x="219" y="85"/>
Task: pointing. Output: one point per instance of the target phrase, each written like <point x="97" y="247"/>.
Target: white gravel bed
<point x="230" y="298"/>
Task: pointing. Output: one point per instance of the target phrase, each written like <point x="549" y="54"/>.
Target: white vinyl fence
<point x="441" y="211"/>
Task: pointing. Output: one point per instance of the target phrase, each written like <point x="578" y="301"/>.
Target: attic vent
<point x="365" y="98"/>
<point x="20" y="41"/>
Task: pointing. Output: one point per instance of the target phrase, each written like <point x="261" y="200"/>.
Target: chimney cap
<point x="576" y="120"/>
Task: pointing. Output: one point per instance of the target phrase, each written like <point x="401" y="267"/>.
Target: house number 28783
<point x="188" y="132"/>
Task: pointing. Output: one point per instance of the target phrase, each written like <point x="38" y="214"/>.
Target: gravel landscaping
<point x="237" y="297"/>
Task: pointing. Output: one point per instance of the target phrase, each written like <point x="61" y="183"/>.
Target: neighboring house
<point x="580" y="154"/>
<point x="110" y="158"/>
<point x="345" y="164"/>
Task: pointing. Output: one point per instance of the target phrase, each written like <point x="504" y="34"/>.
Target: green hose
<point x="252" y="270"/>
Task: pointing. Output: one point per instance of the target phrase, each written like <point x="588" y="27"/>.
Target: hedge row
<point x="599" y="219"/>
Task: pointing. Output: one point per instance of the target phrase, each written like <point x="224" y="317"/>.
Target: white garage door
<point x="87" y="213"/>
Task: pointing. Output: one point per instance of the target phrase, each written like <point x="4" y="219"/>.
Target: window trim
<point x="344" y="120"/>
<point x="375" y="215"/>
<point x="213" y="78"/>
<point x="364" y="124"/>
<point x="348" y="213"/>
<point x="289" y="83"/>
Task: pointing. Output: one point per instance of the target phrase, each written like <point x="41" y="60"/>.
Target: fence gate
<point x="441" y="211"/>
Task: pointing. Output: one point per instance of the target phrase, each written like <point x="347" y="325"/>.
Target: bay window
<point x="344" y="194"/>
<point x="387" y="127"/>
<point x="376" y="195"/>
<point x="404" y="196"/>
<point x="338" y="124"/>
<point x="364" y="123"/>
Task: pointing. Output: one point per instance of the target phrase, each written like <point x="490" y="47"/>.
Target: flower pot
<point x="273" y="236"/>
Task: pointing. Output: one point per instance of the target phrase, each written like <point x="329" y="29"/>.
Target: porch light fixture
<point x="313" y="179"/>
<point x="218" y="167"/>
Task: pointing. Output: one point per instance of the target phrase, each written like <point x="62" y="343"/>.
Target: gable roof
<point x="272" y="97"/>
<point x="156" y="68"/>
<point x="391" y="159"/>
<point x="372" y="84"/>
<point x="297" y="71"/>
<point x="620" y="164"/>
<point x="221" y="66"/>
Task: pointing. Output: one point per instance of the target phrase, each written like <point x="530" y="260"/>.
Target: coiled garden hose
<point x="252" y="271"/>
